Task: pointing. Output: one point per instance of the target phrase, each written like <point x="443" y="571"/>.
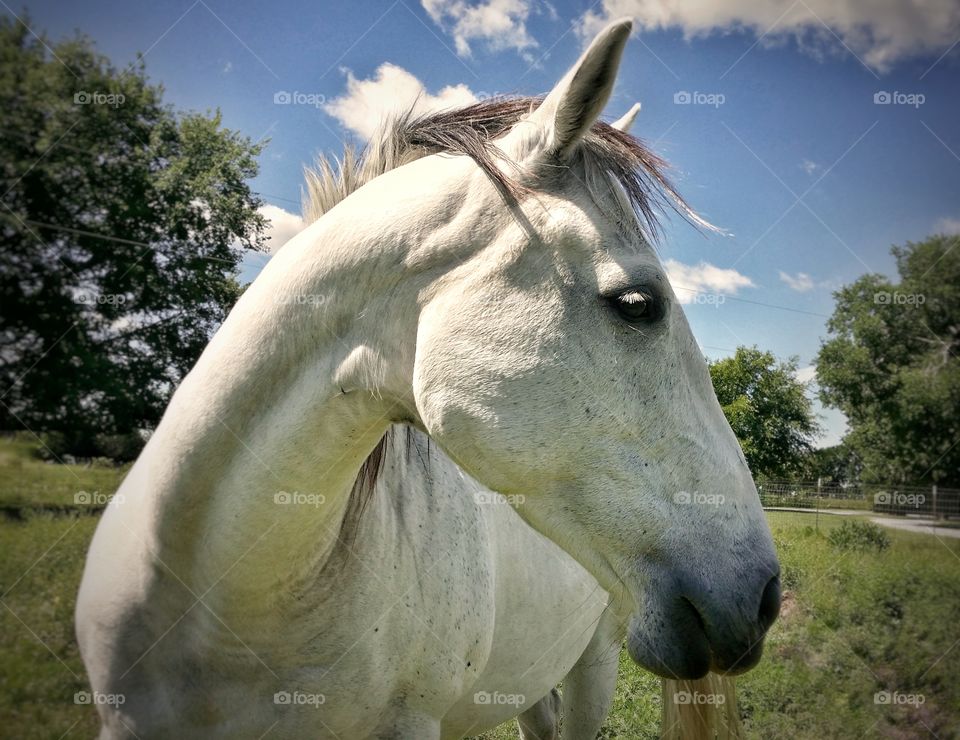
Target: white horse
<point x="288" y="561"/>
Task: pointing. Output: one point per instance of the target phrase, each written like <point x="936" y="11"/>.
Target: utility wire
<point x="82" y="232"/>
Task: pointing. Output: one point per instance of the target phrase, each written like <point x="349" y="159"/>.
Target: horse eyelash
<point x="634" y="296"/>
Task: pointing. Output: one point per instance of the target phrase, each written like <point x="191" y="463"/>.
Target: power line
<point x="82" y="232"/>
<point x="95" y="235"/>
<point x="756" y="303"/>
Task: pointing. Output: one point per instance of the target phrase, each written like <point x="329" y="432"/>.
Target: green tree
<point x="768" y="410"/>
<point x="836" y="464"/>
<point x="122" y="226"/>
<point x="892" y="365"/>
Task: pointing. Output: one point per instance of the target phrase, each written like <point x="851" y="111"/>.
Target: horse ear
<point x="625" y="122"/>
<point x="571" y="108"/>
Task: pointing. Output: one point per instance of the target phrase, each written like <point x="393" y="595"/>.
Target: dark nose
<point x="769" y="603"/>
<point x="738" y="648"/>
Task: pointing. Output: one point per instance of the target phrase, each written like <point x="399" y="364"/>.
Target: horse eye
<point x="635" y="306"/>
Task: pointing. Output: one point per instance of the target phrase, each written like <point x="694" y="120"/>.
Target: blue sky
<point x="782" y="144"/>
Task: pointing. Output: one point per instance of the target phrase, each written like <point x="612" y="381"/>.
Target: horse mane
<point x="605" y="156"/>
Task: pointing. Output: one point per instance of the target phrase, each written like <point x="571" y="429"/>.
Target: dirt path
<point x="916" y="525"/>
<point x="923" y="526"/>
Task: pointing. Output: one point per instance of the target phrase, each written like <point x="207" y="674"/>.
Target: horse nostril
<point x="770" y="603"/>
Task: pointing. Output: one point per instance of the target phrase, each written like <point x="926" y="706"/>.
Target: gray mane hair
<point x="605" y="155"/>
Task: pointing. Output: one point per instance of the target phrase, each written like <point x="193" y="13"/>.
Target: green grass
<point x="25" y="479"/>
<point x="855" y="622"/>
<point x="40" y="668"/>
<point x="859" y="504"/>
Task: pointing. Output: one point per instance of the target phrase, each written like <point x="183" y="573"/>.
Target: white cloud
<point x="502" y="24"/>
<point x="948" y="226"/>
<point x="392" y="89"/>
<point x="282" y="226"/>
<point x="809" y="166"/>
<point x="689" y="281"/>
<point x="879" y="33"/>
<point x="806" y="374"/>
<point x="801" y="282"/>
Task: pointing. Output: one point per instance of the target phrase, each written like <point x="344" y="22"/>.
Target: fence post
<point x="934" y="491"/>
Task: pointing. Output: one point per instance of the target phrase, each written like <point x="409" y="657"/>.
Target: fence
<point x="881" y="498"/>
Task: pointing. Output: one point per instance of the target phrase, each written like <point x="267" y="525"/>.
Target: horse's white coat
<point x="483" y="328"/>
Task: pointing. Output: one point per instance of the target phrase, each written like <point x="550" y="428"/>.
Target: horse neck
<point x="290" y="397"/>
<point x="250" y="472"/>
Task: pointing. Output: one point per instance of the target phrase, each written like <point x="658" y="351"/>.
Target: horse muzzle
<point x="683" y="630"/>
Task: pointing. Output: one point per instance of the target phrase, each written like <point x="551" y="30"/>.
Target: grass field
<point x="819" y="503"/>
<point x="854" y="623"/>
<point x="25" y="479"/>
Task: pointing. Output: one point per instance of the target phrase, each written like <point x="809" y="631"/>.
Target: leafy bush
<point x="48" y="446"/>
<point x="100" y="449"/>
<point x="119" y="447"/>
<point x="856" y="535"/>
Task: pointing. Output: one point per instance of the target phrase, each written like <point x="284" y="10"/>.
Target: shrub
<point x="857" y="535"/>
<point x="119" y="447"/>
<point x="48" y="446"/>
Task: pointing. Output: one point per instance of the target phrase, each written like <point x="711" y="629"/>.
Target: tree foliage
<point x="768" y="410"/>
<point x="122" y="226"/>
<point x="892" y="365"/>
<point x="837" y="464"/>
